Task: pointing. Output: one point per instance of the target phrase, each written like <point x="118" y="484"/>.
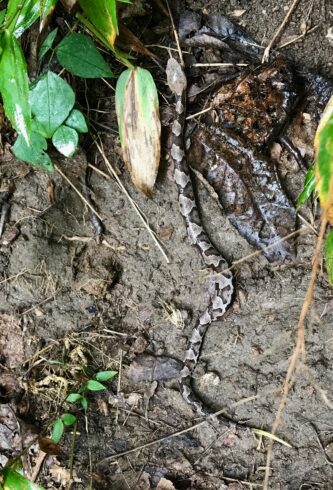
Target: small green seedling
<point x="68" y="419"/>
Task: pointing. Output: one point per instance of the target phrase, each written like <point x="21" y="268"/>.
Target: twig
<point x="119" y="381"/>
<point x="133" y="204"/>
<point x="199" y="65"/>
<point x="299" y="347"/>
<point x="199" y="113"/>
<point x="78" y="192"/>
<point x="38" y="304"/>
<point x="175" y="33"/>
<point x="298" y="38"/>
<point x="71" y="457"/>
<point x="162" y="439"/>
<point x="15" y="276"/>
<point x="277" y="33"/>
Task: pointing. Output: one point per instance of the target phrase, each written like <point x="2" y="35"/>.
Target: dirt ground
<point x="68" y="302"/>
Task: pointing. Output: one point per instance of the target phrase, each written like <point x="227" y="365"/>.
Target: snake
<point x="220" y="280"/>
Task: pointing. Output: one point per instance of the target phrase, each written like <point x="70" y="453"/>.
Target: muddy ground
<point x="68" y="302"/>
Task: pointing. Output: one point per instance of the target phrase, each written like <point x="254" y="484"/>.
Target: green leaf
<point x="76" y="120"/>
<point x="329" y="255"/>
<point x="57" y="431"/>
<point x="93" y="385"/>
<point x="35" y="153"/>
<point x="14" y="85"/>
<point x="323" y="144"/>
<point x="78" y="54"/>
<point x="103" y="15"/>
<point x="308" y="188"/>
<point x="120" y="98"/>
<point x="29" y="13"/>
<point x="12" y="12"/>
<point x="68" y="418"/>
<point x="47" y="43"/>
<point x="84" y="403"/>
<point x="74" y="397"/>
<point x="15" y="481"/>
<point x="65" y="140"/>
<point x="105" y="375"/>
<point x="51" y="100"/>
<point x="139" y="126"/>
<point x="2" y="16"/>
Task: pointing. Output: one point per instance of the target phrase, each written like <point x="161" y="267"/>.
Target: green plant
<point x="45" y="110"/>
<point x="68" y="419"/>
<point x="319" y="179"/>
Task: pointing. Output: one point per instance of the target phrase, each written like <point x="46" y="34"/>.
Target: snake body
<point x="220" y="286"/>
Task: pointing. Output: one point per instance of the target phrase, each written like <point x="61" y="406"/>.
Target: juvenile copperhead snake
<point x="220" y="286"/>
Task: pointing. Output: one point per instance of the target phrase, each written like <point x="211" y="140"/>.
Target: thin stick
<point x="298" y="38"/>
<point x="106" y="176"/>
<point x="199" y="113"/>
<point x="78" y="192"/>
<point x="299" y="347"/>
<point x="133" y="204"/>
<point x="162" y="439"/>
<point x="265" y="57"/>
<point x="199" y="65"/>
<point x="38" y="304"/>
<point x="300" y="231"/>
<point x="175" y="33"/>
<point x="119" y="381"/>
<point x="15" y="276"/>
<point x="71" y="457"/>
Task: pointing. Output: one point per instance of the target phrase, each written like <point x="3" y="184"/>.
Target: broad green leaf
<point x="308" y="188"/>
<point x="26" y="13"/>
<point x="324" y="162"/>
<point x="105" y="375"/>
<point x="93" y="385"/>
<point x="120" y="98"/>
<point x="15" y="481"/>
<point x="65" y="140"/>
<point x="14" y="85"/>
<point x="57" y="431"/>
<point x="103" y="15"/>
<point x="47" y="43"/>
<point x="12" y="13"/>
<point x="35" y="152"/>
<point x="84" y="403"/>
<point x="29" y="13"/>
<point x="118" y="53"/>
<point x="51" y="100"/>
<point x="74" y="397"/>
<point x="329" y="255"/>
<point x="78" y="54"/>
<point x="139" y="126"/>
<point x="76" y="120"/>
<point x="68" y="418"/>
<point x="2" y="16"/>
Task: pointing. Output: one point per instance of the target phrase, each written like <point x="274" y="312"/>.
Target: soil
<point x="73" y="302"/>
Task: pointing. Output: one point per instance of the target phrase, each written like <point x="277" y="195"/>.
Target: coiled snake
<point x="220" y="287"/>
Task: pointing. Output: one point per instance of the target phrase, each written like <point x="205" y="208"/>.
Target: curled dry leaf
<point x="139" y="126"/>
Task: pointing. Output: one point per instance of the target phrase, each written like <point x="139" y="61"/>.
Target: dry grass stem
<point x="199" y="65"/>
<point x="277" y="33"/>
<point x="298" y="38"/>
<point x="132" y="202"/>
<point x="175" y="33"/>
<point x="60" y="172"/>
<point x="299" y="349"/>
